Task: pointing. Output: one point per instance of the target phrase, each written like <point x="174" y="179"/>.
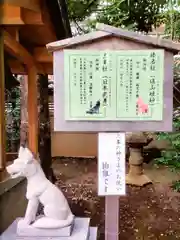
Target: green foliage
<point x="170" y="16"/>
<point x="12" y="111"/>
<point x="171" y="157"/>
<point x="176" y="186"/>
<point x="80" y="9"/>
<point x="172" y="29"/>
<point x="176" y="71"/>
<point x="139" y="15"/>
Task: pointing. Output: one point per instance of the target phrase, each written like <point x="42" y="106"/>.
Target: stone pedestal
<point x="136" y="142"/>
<point x="24" y="230"/>
<point x="80" y="231"/>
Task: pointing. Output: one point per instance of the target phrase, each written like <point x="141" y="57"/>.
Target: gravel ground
<point x="151" y="212"/>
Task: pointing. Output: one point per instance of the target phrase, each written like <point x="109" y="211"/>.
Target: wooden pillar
<point x="32" y="110"/>
<point x="2" y="107"/>
<point x="45" y="128"/>
<point x="112" y="218"/>
<point x="24" y="110"/>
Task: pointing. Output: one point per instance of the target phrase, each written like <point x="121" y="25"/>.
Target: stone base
<point x="24" y="230"/>
<point x="137" y="180"/>
<point x="81" y="231"/>
<point x="93" y="233"/>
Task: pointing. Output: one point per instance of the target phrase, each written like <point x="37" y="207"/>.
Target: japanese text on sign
<point x="111" y="164"/>
<point x="114" y="85"/>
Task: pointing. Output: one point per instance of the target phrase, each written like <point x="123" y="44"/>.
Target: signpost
<point x="111" y="164"/>
<point x="111" y="178"/>
<point x="113" y="86"/>
<point x="112" y="92"/>
<point x="113" y="81"/>
<point x="108" y="87"/>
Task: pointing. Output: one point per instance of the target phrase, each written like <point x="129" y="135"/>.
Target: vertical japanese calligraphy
<point x="107" y="85"/>
<point x="111" y="164"/>
<point x="105" y="174"/>
<point x="105" y="80"/>
<point x="81" y="80"/>
<point x="120" y="164"/>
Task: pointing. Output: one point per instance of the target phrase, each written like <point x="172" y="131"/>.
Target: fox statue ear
<point x="28" y="154"/>
<point x="21" y="151"/>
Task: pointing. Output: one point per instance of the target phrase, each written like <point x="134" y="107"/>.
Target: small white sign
<point x="111" y="164"/>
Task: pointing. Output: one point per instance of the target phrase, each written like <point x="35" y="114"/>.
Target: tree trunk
<point x="44" y="129"/>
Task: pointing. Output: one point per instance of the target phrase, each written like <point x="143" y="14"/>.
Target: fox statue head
<point x="24" y="166"/>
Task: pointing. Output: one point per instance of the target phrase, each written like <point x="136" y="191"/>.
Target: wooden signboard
<point x="113" y="81"/>
<point x="111" y="91"/>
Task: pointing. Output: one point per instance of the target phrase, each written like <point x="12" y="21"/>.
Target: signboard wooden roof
<point x="114" y="43"/>
<point x="106" y="30"/>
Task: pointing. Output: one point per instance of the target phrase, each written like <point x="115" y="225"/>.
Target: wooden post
<point x="112" y="218"/>
<point x="24" y="110"/>
<point x="2" y="106"/>
<point x="32" y="110"/>
<point x="44" y="128"/>
<point x="111" y="178"/>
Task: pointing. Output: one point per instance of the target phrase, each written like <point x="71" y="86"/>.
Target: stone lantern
<point x="136" y="142"/>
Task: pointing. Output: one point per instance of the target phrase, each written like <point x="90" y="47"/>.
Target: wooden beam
<point x="2" y="108"/>
<point x="13" y="31"/>
<point x="17" y="50"/>
<point x="32" y="111"/>
<point x="18" y="68"/>
<point x="10" y="15"/>
<point x="29" y="4"/>
<point x="31" y="17"/>
<point x="15" y="15"/>
<point x="47" y="68"/>
<point x="42" y="55"/>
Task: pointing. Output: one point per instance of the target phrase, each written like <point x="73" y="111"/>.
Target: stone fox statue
<point x="57" y="213"/>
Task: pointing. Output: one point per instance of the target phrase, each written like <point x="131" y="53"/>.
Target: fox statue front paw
<point x="25" y="222"/>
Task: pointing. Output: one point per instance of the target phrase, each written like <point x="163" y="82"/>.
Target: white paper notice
<point x="111" y="164"/>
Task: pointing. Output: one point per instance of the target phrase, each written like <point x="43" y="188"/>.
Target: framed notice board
<point x="106" y="85"/>
<point x="110" y="90"/>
